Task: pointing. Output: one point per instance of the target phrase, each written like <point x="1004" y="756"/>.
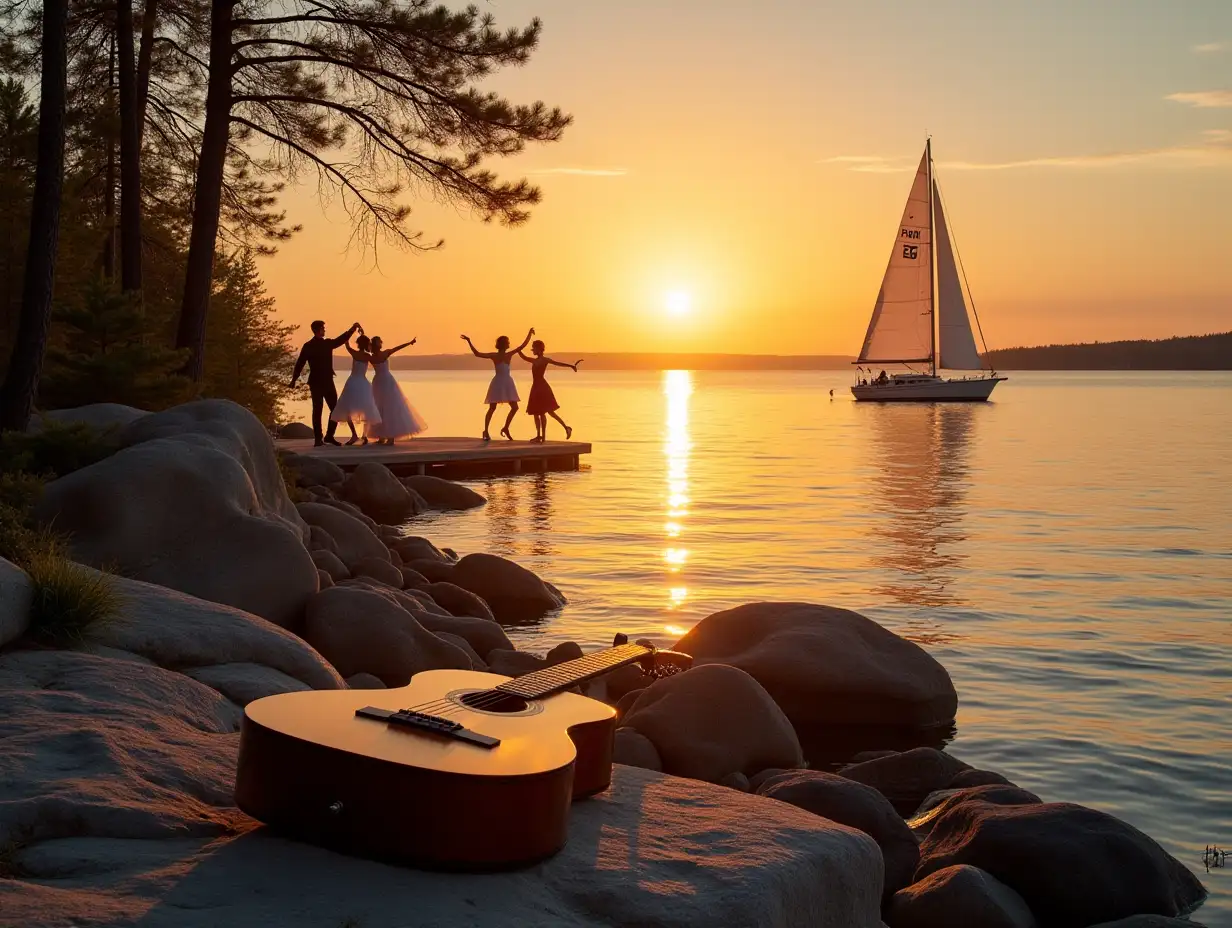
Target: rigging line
<point x="962" y="270"/>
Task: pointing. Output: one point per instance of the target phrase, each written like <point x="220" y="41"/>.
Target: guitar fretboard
<point x="544" y="683"/>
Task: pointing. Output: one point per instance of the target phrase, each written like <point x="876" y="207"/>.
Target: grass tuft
<point x="68" y="599"/>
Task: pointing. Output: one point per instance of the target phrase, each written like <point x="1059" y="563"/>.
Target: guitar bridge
<point x="422" y="721"/>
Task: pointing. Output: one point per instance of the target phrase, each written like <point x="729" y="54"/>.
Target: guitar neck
<point x="543" y="683"/>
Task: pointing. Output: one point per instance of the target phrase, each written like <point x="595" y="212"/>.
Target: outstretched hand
<point x="466" y="338"/>
<point x="414" y="340"/>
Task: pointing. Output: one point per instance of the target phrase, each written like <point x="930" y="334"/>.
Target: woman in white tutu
<point x="356" y="402"/>
<point x="398" y="417"/>
<point x="502" y="389"/>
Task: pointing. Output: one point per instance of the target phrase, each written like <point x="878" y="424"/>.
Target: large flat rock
<point x="115" y="810"/>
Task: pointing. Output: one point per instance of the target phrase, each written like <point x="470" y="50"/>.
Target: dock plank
<point x="434" y="455"/>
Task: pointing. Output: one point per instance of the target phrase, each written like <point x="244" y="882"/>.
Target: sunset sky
<point x="736" y="171"/>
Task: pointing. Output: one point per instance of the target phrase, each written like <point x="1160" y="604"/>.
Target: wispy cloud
<point x="583" y="172"/>
<point x="1210" y="48"/>
<point x="1204" y="99"/>
<point x="1215" y="150"/>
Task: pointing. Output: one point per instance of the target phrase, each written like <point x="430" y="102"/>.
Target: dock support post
<point x="421" y="469"/>
<point x="517" y="465"/>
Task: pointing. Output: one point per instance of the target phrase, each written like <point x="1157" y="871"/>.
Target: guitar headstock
<point x="658" y="662"/>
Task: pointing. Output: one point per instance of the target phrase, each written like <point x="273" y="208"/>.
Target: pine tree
<point x="110" y="352"/>
<point x="249" y="356"/>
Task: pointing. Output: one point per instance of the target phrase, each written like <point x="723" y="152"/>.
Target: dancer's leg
<point x="513" y="411"/>
<point x="318" y="400"/>
<point x="563" y="425"/>
<point x="487" y="420"/>
<point x="330" y="394"/>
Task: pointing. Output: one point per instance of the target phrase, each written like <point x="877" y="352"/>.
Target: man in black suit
<point x="318" y="354"/>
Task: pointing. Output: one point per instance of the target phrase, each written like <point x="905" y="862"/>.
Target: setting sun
<point x="678" y="302"/>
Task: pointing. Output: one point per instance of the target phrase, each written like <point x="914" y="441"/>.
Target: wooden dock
<point x="450" y="457"/>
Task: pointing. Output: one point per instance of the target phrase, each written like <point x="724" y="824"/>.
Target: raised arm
<point x="523" y="356"/>
<point x="396" y="348"/>
<point x="344" y="337"/>
<point x="525" y="342"/>
<point x="475" y="351"/>
<point x="562" y="363"/>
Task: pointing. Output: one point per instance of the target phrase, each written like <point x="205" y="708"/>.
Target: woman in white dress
<point x="502" y="389"/>
<point x="356" y="402"/>
<point x="398" y="417"/>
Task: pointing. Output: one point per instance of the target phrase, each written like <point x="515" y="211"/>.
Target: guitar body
<point x="314" y="770"/>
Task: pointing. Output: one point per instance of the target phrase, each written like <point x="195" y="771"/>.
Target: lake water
<point x="1065" y="551"/>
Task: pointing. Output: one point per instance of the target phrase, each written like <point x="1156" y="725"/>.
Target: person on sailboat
<point x="882" y="378"/>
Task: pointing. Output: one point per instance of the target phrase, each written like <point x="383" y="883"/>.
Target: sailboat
<point x="921" y="314"/>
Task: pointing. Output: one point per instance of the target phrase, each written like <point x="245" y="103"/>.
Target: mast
<point x="932" y="262"/>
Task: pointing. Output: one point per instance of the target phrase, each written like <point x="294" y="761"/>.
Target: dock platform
<point x="450" y="457"/>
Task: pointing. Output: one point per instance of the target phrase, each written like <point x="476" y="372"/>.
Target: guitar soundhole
<point x="492" y="701"/>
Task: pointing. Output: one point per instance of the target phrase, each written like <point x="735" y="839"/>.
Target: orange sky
<point x="757" y="158"/>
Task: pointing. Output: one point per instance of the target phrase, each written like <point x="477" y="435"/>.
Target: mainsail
<point x="954" y="339"/>
<point x="902" y="324"/>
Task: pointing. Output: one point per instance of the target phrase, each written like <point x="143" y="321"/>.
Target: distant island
<point x="1185" y="353"/>
<point x="620" y="361"/>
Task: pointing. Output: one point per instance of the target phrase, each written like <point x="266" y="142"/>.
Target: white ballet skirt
<point x="356" y="401"/>
<point x="502" y="389"/>
<point x="398" y="417"/>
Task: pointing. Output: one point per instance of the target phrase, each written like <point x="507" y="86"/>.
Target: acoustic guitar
<point x="457" y="770"/>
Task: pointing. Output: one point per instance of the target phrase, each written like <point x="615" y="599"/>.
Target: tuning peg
<point x="645" y="643"/>
<point x="621" y="638"/>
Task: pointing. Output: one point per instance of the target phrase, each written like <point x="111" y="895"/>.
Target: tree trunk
<point x="21" y="384"/>
<point x="109" y="246"/>
<point x="130" y="154"/>
<point x="145" y="58"/>
<point x="210" y="167"/>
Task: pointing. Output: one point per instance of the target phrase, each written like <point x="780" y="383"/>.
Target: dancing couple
<point x="502" y="389"/>
<point x="379" y="405"/>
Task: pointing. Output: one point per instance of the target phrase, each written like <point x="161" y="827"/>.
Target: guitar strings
<point x="554" y="675"/>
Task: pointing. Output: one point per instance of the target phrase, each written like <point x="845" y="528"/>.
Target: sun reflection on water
<point x="677" y="387"/>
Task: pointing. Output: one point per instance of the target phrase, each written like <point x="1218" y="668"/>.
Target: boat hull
<point x="931" y="391"/>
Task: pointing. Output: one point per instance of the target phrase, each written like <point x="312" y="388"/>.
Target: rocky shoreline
<point x="241" y="575"/>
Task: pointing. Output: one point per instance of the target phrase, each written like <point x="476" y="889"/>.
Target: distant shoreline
<point x="1183" y="353"/>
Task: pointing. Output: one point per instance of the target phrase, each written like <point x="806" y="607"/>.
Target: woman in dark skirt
<point x="542" y="401"/>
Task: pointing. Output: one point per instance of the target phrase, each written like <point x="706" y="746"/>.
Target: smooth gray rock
<point x="651" y="851"/>
<point x="1149" y="921"/>
<point x="312" y="471"/>
<point x="354" y="540"/>
<point x="1074" y="866"/>
<point x="175" y="631"/>
<point x="365" y="681"/>
<point x="937" y="804"/>
<point x="378" y="493"/>
<point x="857" y="806"/>
<point x="378" y="569"/>
<point x="973" y="777"/>
<point x="242" y="683"/>
<point x="101" y="417"/>
<point x="959" y="895"/>
<point x="194" y="501"/>
<point x="634" y="749"/>
<point x="827" y="666"/>
<point x="413" y="548"/>
<point x="907" y="777"/>
<point x="296" y="430"/>
<point x="714" y="720"/>
<point x="484" y="635"/>
<point x="362" y="631"/>
<point x="321" y="540"/>
<point x="110" y="748"/>
<point x="457" y="601"/>
<point x="443" y="494"/>
<point x="332" y="565"/>
<point x="16" y="594"/>
<point x="512" y="663"/>
<point x="514" y="593"/>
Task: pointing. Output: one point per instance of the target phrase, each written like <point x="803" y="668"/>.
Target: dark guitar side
<point x="352" y="802"/>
